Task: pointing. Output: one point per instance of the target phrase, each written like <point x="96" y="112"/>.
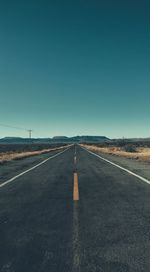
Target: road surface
<point x="75" y="212"/>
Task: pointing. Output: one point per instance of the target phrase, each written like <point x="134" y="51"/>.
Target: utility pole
<point x="30" y="133"/>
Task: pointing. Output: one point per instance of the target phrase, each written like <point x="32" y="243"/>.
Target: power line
<point x="8" y="126"/>
<point x="20" y="128"/>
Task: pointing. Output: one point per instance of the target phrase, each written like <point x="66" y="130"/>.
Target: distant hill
<point x="18" y="140"/>
<point x="60" y="138"/>
<point x="68" y="140"/>
<point x="55" y="139"/>
<point x="89" y="139"/>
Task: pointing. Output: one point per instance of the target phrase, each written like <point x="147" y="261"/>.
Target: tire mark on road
<point x="76" y="239"/>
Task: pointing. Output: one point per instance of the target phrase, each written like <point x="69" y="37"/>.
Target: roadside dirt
<point x="9" y="156"/>
<point x="141" y="154"/>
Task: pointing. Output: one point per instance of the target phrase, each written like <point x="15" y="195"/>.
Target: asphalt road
<point x="43" y="229"/>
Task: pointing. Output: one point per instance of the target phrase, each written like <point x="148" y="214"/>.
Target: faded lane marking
<point x="75" y="159"/>
<point x="122" y="168"/>
<point x="75" y="188"/>
<point x="32" y="168"/>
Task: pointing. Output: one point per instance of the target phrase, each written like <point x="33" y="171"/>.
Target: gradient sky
<point x="75" y="67"/>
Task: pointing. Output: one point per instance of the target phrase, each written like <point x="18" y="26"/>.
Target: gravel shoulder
<point x="138" y="167"/>
<point x="12" y="168"/>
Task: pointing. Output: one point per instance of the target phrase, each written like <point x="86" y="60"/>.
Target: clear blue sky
<point x="75" y="67"/>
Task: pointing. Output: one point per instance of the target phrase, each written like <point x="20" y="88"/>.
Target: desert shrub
<point x="103" y="144"/>
<point x="26" y="147"/>
<point x="129" y="148"/>
<point x="120" y="142"/>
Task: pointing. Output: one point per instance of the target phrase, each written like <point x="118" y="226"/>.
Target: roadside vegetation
<point x="10" y="152"/>
<point x="139" y="150"/>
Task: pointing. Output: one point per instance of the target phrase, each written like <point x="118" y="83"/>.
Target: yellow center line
<point x="75" y="188"/>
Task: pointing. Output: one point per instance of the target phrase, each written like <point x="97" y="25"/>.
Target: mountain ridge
<point x="55" y="139"/>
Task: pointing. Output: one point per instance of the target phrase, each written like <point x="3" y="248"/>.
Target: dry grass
<point x="142" y="153"/>
<point x="9" y="156"/>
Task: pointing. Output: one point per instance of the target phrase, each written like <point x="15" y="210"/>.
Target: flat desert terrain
<point x="141" y="154"/>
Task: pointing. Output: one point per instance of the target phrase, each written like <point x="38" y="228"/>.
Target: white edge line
<point x="124" y="169"/>
<point x="30" y="169"/>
